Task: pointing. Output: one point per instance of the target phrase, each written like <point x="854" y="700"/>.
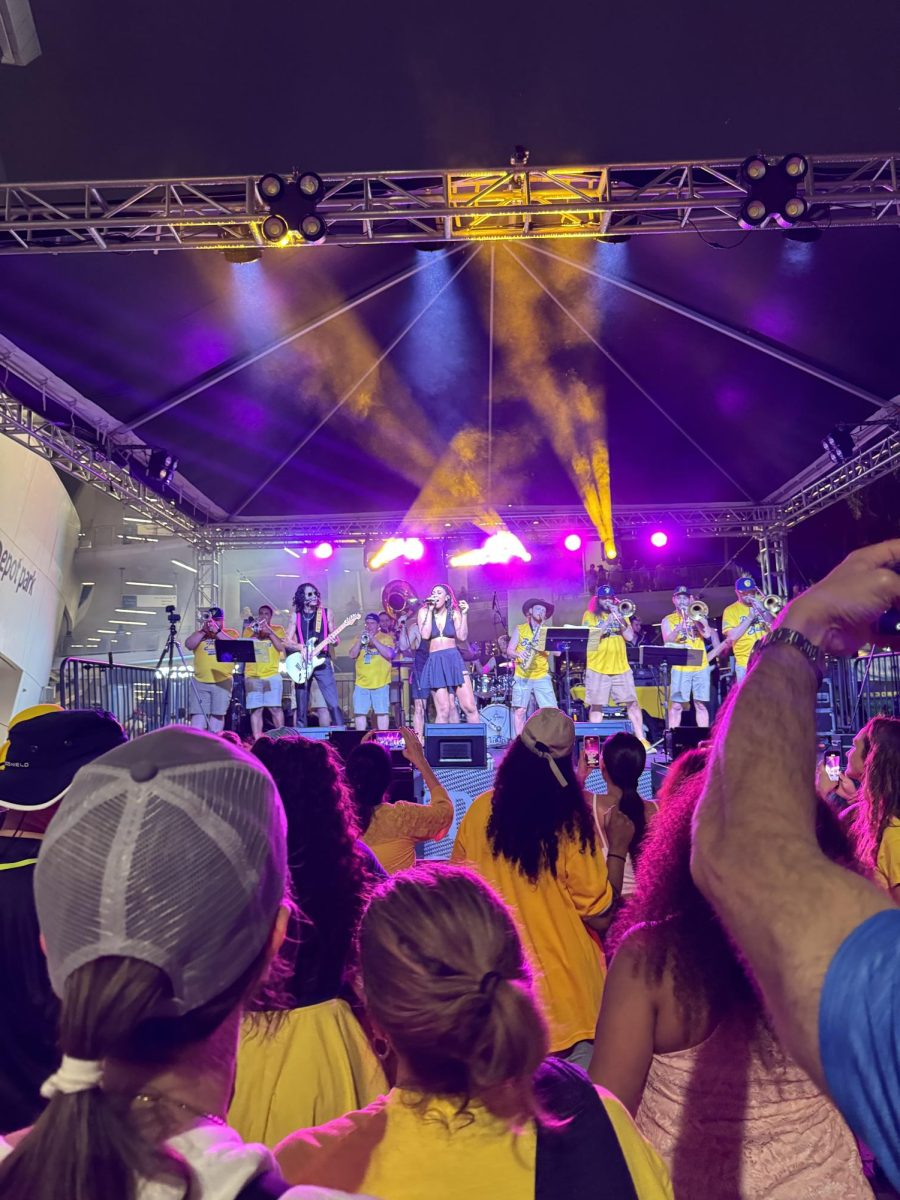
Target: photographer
<point x="262" y="680"/>
<point x="211" y="692"/>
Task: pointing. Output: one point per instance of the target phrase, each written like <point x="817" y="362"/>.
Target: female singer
<point x="441" y="622"/>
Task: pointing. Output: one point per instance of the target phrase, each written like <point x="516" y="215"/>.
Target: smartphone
<point x="833" y="766"/>
<point x="391" y="739"/>
<point x="592" y="751"/>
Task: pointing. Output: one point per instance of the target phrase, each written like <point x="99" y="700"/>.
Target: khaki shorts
<point x="603" y="689"/>
<point x="210" y="699"/>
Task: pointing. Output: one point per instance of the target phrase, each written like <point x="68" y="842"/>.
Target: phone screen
<point x="391" y="739"/>
<point x="833" y="767"/>
<point x="592" y="751"/>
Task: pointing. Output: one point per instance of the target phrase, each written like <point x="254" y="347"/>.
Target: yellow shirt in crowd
<point x="540" y="664"/>
<point x="269" y="666"/>
<point x="567" y="961"/>
<point x="395" y="1150"/>
<point x="395" y="828"/>
<point x="887" y="864"/>
<point x="377" y="671"/>
<point x="694" y="643"/>
<point x="610" y="657"/>
<point x="733" y="616"/>
<point x="207" y="668"/>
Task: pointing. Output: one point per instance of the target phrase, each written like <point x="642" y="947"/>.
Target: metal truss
<point x="873" y="461"/>
<point x="90" y="463"/>
<point x="514" y="202"/>
<point x="208" y="576"/>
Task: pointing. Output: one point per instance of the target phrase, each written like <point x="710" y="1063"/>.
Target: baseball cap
<point x="45" y="751"/>
<point x="681" y="590"/>
<point x="169" y="849"/>
<point x="606" y="589"/>
<point x="550" y="734"/>
<point x="746" y="583"/>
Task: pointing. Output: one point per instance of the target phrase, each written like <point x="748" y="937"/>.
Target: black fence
<point x="863" y="688"/>
<point x="139" y="697"/>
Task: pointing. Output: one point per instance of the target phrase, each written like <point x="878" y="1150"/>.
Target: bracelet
<point x="622" y="856"/>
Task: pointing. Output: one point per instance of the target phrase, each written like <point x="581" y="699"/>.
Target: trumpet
<point x="698" y="611"/>
<point x="618" y="616"/>
<point x="627" y="609"/>
<point x="768" y="608"/>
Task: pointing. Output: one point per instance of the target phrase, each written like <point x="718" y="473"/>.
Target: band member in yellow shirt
<point x="532" y="675"/>
<point x="744" y="624"/>
<point x="608" y="677"/>
<point x="372" y="652"/>
<point x="211" y="689"/>
<point x="690" y="681"/>
<point x="263" y="687"/>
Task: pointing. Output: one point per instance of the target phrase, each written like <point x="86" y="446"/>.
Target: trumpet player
<point x="608" y="676"/>
<point x="744" y="623"/>
<point x="688" y="626"/>
<point x="532" y="674"/>
<point x="442" y="623"/>
<point x="211" y="693"/>
<point x="372" y="653"/>
<point x="262" y="680"/>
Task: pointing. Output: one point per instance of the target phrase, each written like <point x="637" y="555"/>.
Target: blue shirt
<point x="859" y="1035"/>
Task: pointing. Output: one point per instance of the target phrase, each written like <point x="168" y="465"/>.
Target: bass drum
<point x="498" y="720"/>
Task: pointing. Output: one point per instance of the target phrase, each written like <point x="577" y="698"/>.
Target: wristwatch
<point x="790" y="637"/>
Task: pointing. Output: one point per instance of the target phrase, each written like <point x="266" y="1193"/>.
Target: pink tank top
<point x="741" y="1121"/>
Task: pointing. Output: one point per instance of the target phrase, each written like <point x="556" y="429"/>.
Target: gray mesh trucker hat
<point x="169" y="849"/>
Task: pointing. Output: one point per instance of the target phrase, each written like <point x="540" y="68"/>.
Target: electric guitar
<point x="301" y="664"/>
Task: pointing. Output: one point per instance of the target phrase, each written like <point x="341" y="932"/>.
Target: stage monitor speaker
<point x="684" y="738"/>
<point x="315" y="733"/>
<point x="345" y="740"/>
<point x="601" y="729"/>
<point x="461" y="746"/>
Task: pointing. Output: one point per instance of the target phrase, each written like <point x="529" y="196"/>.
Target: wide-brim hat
<point x="46" y="752"/>
<point x="529" y="604"/>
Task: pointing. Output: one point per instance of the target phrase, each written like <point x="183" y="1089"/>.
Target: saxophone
<point x="529" y="650"/>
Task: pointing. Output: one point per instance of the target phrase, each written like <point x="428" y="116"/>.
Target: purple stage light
<point x="323" y="550"/>
<point x="659" y="539"/>
<point x="414" y="549"/>
<point x="573" y="542"/>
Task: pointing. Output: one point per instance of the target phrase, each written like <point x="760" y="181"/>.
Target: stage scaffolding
<point x="514" y="202"/>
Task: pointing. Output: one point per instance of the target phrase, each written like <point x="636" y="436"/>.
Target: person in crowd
<point x="876" y="820"/>
<point x="743" y="624"/>
<point x="622" y="762"/>
<point x="532" y="679"/>
<point x="211" y="687"/>
<point x="263" y="688"/>
<point x="691" y="681"/>
<point x="40" y="761"/>
<point x="533" y="839"/>
<point x="314" y="1062"/>
<point x="682" y="1039"/>
<point x="478" y="1108"/>
<point x="608" y="678"/>
<point x="151" y="994"/>
<point x="843" y="794"/>
<point x="821" y="942"/>
<point x="372" y="653"/>
<point x="392" y="829"/>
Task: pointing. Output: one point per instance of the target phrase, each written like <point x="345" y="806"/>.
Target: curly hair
<point x="531" y="811"/>
<point x="298" y="594"/>
<point x="327" y="868"/>
<point x="690" y="762"/>
<point x="679" y="929"/>
<point x="880" y="788"/>
<point x="369" y="776"/>
<point x="624" y="758"/>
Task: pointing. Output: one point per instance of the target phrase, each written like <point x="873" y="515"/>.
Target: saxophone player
<point x="682" y="628"/>
<point x="608" y="676"/>
<point x="532" y="674"/>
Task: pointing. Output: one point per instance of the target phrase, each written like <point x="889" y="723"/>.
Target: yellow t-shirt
<point x="610" y="657"/>
<point x="207" y="668"/>
<point x="733" y="616"/>
<point x="395" y="829"/>
<point x="394" y="1150"/>
<point x="694" y="643"/>
<point x="568" y="962"/>
<point x="540" y="664"/>
<point x="887" y="864"/>
<point x="268" y="668"/>
<point x="377" y="671"/>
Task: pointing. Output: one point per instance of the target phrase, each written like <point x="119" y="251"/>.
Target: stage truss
<point x="440" y="206"/>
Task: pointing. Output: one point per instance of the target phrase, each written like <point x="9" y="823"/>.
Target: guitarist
<point x="311" y="624"/>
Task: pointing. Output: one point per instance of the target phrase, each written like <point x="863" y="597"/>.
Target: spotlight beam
<point x="248" y="360"/>
<point x="356" y="385"/>
<point x="623" y="370"/>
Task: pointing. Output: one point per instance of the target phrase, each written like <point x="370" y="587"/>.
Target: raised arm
<point x="461" y="621"/>
<point x="424" y="621"/>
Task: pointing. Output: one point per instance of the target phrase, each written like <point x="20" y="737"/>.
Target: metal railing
<point x="864" y="688"/>
<point x="136" y="696"/>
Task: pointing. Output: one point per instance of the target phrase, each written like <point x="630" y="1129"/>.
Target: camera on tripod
<point x="172" y="616"/>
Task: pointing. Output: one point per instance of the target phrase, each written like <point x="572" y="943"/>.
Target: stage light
<point x="323" y="550"/>
<point x="274" y="228"/>
<point x="270" y="187"/>
<point x="754" y="168"/>
<point x="312" y="228"/>
<point x="412" y="549"/>
<point x="659" y="539"/>
<point x="292" y="206"/>
<point x="242" y="256"/>
<point x="572" y="542"/>
<point x="795" y="166"/>
<point x="311" y="185"/>
<point x="839" y="445"/>
<point x="753" y="213"/>
<point x="161" y="466"/>
<point x="794" y="210"/>
<point x="415" y="549"/>
<point x="500" y="548"/>
<point x="772" y="191"/>
<point x="610" y="551"/>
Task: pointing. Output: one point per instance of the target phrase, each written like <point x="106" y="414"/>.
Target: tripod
<point x="168" y="656"/>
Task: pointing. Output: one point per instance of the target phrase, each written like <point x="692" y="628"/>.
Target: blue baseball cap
<point x="746" y="583"/>
<point x="605" y="590"/>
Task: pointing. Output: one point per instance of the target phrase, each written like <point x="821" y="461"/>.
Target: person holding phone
<point x="621" y="815"/>
<point x="372" y="653"/>
<point x="392" y="829"/>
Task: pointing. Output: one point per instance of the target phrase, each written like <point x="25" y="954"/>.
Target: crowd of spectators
<point x="226" y="978"/>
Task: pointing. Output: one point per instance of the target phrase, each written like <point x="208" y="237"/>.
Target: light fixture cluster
<point x="292" y="207"/>
<point x="773" y="191"/>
